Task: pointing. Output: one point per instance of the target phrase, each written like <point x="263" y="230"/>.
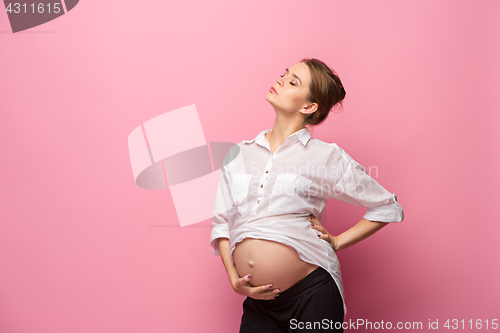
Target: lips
<point x="273" y="90"/>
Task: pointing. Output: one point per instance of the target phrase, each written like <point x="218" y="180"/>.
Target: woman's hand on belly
<point x="243" y="287"/>
<point x="270" y="262"/>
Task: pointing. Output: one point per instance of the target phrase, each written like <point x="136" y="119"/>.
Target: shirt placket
<point x="265" y="176"/>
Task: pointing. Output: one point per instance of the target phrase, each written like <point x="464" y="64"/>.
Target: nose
<point x="279" y="80"/>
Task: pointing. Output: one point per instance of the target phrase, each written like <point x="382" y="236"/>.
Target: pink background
<point x="84" y="249"/>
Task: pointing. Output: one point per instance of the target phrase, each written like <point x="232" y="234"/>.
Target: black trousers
<point x="313" y="304"/>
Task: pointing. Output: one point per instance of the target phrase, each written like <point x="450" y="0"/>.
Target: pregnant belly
<point x="270" y="262"/>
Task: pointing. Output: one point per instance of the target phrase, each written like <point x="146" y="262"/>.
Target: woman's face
<point x="291" y="91"/>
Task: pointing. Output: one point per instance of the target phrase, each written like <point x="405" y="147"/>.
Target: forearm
<point x="231" y="270"/>
<point x="357" y="233"/>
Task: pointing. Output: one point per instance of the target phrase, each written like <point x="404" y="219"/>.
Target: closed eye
<point x="289" y="81"/>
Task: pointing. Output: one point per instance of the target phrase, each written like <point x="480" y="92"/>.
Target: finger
<point x="313" y="219"/>
<point x="264" y="292"/>
<point x="264" y="288"/>
<point x="242" y="281"/>
<point x="271" y="294"/>
<point x="268" y="290"/>
<point x="275" y="293"/>
<point x="313" y="224"/>
<point x="318" y="226"/>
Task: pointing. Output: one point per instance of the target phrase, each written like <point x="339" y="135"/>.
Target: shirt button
<point x="267" y="171"/>
<point x="258" y="201"/>
<point x="261" y="185"/>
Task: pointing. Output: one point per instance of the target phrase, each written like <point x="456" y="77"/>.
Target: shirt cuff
<point x="218" y="231"/>
<point x="389" y="212"/>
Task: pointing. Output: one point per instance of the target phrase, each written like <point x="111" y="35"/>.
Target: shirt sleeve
<point x="355" y="186"/>
<point x="223" y="211"/>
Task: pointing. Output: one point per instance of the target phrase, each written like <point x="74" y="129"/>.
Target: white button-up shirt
<point x="270" y="196"/>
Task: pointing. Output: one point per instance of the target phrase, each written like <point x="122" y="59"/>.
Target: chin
<point x="268" y="98"/>
<point x="272" y="104"/>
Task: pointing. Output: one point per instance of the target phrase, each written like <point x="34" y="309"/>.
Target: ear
<point x="310" y="108"/>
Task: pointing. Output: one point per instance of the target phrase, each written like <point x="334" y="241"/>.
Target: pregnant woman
<point x="270" y="203"/>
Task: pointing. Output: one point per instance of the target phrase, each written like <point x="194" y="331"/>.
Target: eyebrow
<point x="294" y="76"/>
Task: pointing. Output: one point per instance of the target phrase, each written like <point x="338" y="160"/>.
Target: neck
<point x="281" y="131"/>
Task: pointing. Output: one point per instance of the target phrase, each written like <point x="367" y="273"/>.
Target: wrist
<point x="335" y="243"/>
<point x="233" y="284"/>
<point x="234" y="277"/>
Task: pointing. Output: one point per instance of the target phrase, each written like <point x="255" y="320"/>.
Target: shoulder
<point x="330" y="148"/>
<point x="336" y="154"/>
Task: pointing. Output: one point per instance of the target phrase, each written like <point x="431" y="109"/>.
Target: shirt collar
<point x="303" y="135"/>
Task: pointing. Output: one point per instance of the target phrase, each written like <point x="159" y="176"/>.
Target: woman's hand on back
<point x="242" y="287"/>
<point x="316" y="225"/>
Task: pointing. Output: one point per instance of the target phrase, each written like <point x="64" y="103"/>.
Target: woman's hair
<point x="325" y="89"/>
